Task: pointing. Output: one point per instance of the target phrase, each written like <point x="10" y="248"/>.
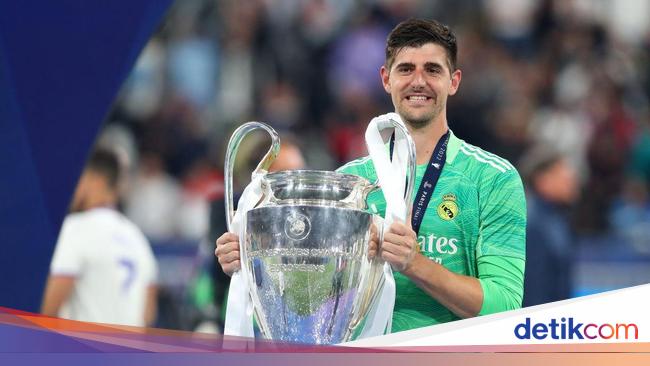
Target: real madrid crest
<point x="448" y="209"/>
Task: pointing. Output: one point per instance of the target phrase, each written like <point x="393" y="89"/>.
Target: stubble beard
<point x="423" y="120"/>
<point x="417" y="123"/>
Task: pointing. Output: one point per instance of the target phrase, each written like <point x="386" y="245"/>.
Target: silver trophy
<point x="306" y="248"/>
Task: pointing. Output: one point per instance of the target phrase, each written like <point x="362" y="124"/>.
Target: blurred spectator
<point x="607" y="152"/>
<point x="356" y="57"/>
<point x="236" y="81"/>
<point x="511" y="23"/>
<point x="192" y="57"/>
<point x="202" y="183"/>
<point x="639" y="162"/>
<point x="103" y="269"/>
<point x="552" y="187"/>
<point x="154" y="199"/>
<point x="630" y="216"/>
<point x="280" y="105"/>
<point x="143" y="91"/>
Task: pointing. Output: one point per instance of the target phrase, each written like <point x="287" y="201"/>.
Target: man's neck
<point x="426" y="138"/>
<point x="105" y="199"/>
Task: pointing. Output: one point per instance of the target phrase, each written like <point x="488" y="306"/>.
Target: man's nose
<point x="418" y="78"/>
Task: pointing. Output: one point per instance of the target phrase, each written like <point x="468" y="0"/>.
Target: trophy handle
<point x="410" y="182"/>
<point x="231" y="152"/>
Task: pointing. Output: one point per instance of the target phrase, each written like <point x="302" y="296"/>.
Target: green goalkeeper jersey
<point x="475" y="221"/>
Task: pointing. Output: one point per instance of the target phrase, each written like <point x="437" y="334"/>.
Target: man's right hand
<point x="228" y="253"/>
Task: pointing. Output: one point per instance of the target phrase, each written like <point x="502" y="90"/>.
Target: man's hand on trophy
<point x="228" y="253"/>
<point x="400" y="246"/>
<point x="374" y="241"/>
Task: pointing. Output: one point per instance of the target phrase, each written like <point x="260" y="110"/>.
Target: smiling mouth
<point x="417" y="98"/>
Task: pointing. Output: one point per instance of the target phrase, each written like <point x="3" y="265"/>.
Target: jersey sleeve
<point x="68" y="254"/>
<point x="502" y="281"/>
<point x="502" y="216"/>
<point x="360" y="167"/>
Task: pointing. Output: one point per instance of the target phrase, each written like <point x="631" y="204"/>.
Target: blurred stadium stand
<point x="573" y="74"/>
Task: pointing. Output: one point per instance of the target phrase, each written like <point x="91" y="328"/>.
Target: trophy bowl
<point x="306" y="246"/>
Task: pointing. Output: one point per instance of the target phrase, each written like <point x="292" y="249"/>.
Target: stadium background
<point x="572" y="74"/>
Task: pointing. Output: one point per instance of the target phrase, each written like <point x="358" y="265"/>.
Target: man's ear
<point x="385" y="78"/>
<point x="455" y="81"/>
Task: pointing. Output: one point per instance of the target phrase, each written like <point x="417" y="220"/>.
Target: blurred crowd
<point x="574" y="75"/>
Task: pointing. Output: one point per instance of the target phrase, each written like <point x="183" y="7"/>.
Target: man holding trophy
<point x="461" y="251"/>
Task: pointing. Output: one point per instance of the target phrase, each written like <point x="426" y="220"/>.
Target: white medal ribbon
<point x="392" y="180"/>
<point x="239" y="308"/>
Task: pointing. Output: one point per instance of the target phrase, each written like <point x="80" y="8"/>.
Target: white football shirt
<point x="113" y="265"/>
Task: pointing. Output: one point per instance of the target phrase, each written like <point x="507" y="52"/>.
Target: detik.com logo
<point x="568" y="328"/>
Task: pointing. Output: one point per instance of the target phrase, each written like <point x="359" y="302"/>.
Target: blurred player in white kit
<point x="103" y="269"/>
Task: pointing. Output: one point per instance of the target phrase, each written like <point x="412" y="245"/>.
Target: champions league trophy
<point x="304" y="248"/>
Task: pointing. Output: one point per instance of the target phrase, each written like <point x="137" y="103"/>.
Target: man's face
<point x="89" y="186"/>
<point x="419" y="81"/>
<point x="559" y="183"/>
<point x="289" y="158"/>
<point x="81" y="193"/>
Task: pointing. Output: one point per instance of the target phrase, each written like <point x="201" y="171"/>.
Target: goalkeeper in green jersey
<point x="463" y="252"/>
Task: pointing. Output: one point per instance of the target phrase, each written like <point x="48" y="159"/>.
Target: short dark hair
<point x="106" y="163"/>
<point x="418" y="32"/>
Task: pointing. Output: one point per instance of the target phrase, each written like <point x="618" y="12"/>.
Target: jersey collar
<point x="452" y="147"/>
